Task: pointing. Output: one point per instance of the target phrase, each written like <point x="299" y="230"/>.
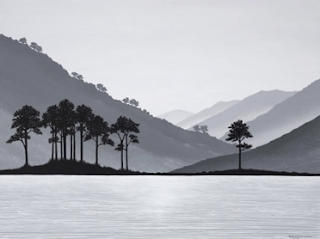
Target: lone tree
<point x="25" y="120"/>
<point x="238" y="131"/>
<point x="23" y="40"/>
<point x="101" y="88"/>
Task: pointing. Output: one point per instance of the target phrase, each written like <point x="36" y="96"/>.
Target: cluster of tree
<point x="132" y="102"/>
<point x="200" y="128"/>
<point x="77" y="76"/>
<point x="65" y="120"/>
<point x="33" y="45"/>
<point x="101" y="87"/>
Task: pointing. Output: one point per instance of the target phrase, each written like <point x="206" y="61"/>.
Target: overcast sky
<point x="176" y="54"/>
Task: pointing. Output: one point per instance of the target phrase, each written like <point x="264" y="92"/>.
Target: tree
<point x="204" y="129"/>
<point x="23" y="40"/>
<point x="196" y="128"/>
<point x="98" y="131"/>
<point x="36" y="47"/>
<point x="83" y="116"/>
<point x="238" y="131"/>
<point x="126" y="100"/>
<point x="50" y="119"/>
<point x="131" y="127"/>
<point x="25" y="120"/>
<point x="66" y="117"/>
<point x="133" y="102"/>
<point x="123" y="127"/>
<point x="75" y="75"/>
<point x="101" y="87"/>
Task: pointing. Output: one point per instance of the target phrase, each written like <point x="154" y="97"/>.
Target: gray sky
<point x="176" y="54"/>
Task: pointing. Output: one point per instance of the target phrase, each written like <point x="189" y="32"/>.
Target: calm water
<point x="159" y="207"/>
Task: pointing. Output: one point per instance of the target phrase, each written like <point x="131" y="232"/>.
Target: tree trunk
<point x="81" y="145"/>
<point x="56" y="146"/>
<point x="74" y="145"/>
<point x="126" y="152"/>
<point x="71" y="153"/>
<point x="97" y="146"/>
<point x="26" y="149"/>
<point x="65" y="145"/>
<point x="52" y="145"/>
<point x="239" y="158"/>
<point x="121" y="155"/>
<point x="127" y="166"/>
<point x="61" y="146"/>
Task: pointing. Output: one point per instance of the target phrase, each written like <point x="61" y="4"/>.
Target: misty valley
<point x="270" y="131"/>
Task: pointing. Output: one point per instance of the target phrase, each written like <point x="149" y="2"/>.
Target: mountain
<point x="297" y="151"/>
<point x="31" y="78"/>
<point x="206" y="113"/>
<point x="175" y="116"/>
<point x="287" y="115"/>
<point x="247" y="109"/>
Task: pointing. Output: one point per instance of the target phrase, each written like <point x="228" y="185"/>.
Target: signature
<point x="299" y="236"/>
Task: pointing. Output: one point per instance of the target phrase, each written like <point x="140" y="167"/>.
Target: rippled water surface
<point x="159" y="207"/>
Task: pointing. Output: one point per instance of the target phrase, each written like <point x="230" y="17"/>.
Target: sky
<point x="175" y="54"/>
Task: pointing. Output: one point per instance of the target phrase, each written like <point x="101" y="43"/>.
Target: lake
<point x="159" y="207"/>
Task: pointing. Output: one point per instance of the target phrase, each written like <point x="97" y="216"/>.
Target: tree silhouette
<point x="196" y="128"/>
<point x="126" y="100"/>
<point x="25" y="120"/>
<point x="238" y="131"/>
<point x="23" y="40"/>
<point x="123" y="127"/>
<point x="72" y="133"/>
<point x="131" y="127"/>
<point x="77" y="76"/>
<point x="66" y="116"/>
<point x="36" y="47"/>
<point x="133" y="102"/>
<point x="83" y="115"/>
<point x="101" y="88"/>
<point x="204" y="129"/>
<point x="50" y="119"/>
<point x="98" y="131"/>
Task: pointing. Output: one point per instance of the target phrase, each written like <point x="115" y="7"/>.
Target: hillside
<point x="247" y="109"/>
<point x="28" y="77"/>
<point x="175" y="116"/>
<point x="206" y="113"/>
<point x="297" y="151"/>
<point x="286" y="116"/>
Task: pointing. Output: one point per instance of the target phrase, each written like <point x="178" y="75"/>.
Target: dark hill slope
<point x="297" y="151"/>
<point x="28" y="77"/>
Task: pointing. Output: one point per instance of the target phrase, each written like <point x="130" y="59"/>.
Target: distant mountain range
<point x="287" y="115"/>
<point x="31" y="78"/>
<point x="175" y="116"/>
<point x="246" y="109"/>
<point x="206" y="113"/>
<point x="297" y="151"/>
